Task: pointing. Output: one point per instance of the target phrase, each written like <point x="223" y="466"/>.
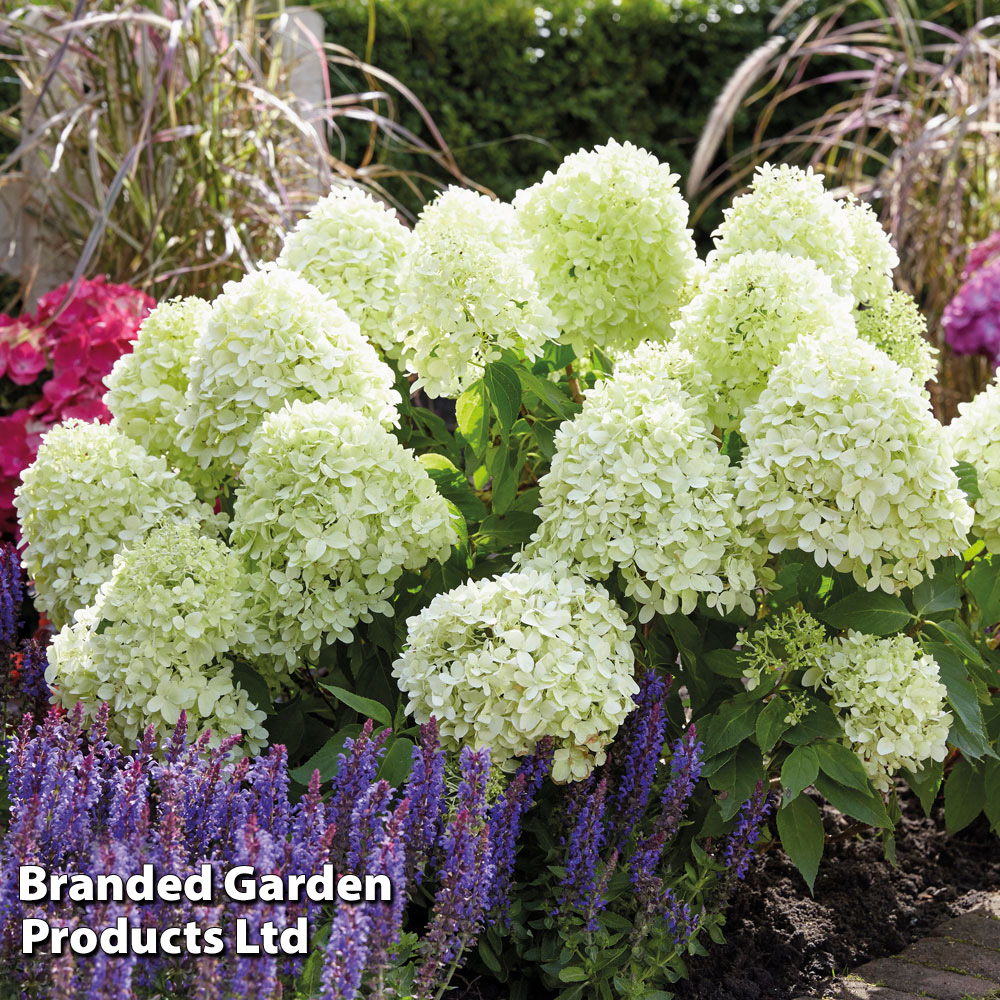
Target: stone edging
<point x="960" y="960"/>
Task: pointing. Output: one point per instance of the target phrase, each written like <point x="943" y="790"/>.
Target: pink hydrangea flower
<point x="971" y="320"/>
<point x="62" y="352"/>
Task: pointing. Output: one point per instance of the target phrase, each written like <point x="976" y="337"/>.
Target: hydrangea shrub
<point x="701" y="505"/>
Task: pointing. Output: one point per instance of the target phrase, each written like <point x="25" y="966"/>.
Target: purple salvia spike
<point x="505" y="822"/>
<point x="346" y="952"/>
<point x="741" y="842"/>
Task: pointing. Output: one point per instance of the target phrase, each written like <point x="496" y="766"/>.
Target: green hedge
<point x="572" y="76"/>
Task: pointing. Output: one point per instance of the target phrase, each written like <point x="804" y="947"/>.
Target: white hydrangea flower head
<point x="611" y="246"/>
<point x="331" y="510"/>
<point x="659" y="360"/>
<point x="891" y="702"/>
<point x="466" y="293"/>
<point x="91" y="491"/>
<point x="845" y="460"/>
<point x="788" y="210"/>
<point x="896" y="326"/>
<point x="973" y="435"/>
<point x="157" y="640"/>
<point x="503" y="662"/>
<point x="146" y="388"/>
<point x="748" y="310"/>
<point x="873" y="251"/>
<point x="350" y="247"/>
<point x="272" y="338"/>
<point x="638" y="484"/>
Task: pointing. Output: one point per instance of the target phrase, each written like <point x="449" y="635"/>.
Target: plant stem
<point x="574" y="385"/>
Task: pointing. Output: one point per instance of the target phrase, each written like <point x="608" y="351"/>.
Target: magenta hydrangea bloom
<point x="971" y="320"/>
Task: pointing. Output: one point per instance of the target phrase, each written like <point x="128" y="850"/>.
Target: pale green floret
<point x="272" y="338"/>
<point x="157" y="639"/>
<point x="611" y="246"/>
<point x="654" y="359"/>
<point x="896" y="326"/>
<point x="748" y="310"/>
<point x="791" y="642"/>
<point x="146" y="388"/>
<point x="845" y="460"/>
<point x="466" y="293"/>
<point x="974" y="435"/>
<point x="501" y="663"/>
<point x="350" y="247"/>
<point x="91" y="491"/>
<point x="331" y="510"/>
<point x="873" y="251"/>
<point x="891" y="702"/>
<point x="638" y="485"/>
<point x="787" y="210"/>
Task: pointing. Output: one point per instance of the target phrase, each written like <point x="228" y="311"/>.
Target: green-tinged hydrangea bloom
<point x="146" y="388"/>
<point x="90" y="491"/>
<point x="638" y="484"/>
<point x="875" y="254"/>
<point x="331" y="510"/>
<point x="350" y="247"/>
<point x="156" y="641"/>
<point x="610" y="246"/>
<point x="895" y="325"/>
<point x="845" y="460"/>
<point x="748" y="310"/>
<point x="466" y="293"/>
<point x="503" y="662"/>
<point x="272" y="338"/>
<point x="788" y="210"/>
<point x="891" y="702"/>
<point x="974" y="435"/>
<point x="789" y="643"/>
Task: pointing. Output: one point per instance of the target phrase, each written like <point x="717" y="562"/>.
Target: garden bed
<point x="781" y="942"/>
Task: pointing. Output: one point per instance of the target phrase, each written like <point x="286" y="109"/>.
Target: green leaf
<point x="367" y="707"/>
<point x="842" y="765"/>
<point x="395" y="766"/>
<point x="926" y="783"/>
<point x="686" y="637"/>
<point x="453" y="486"/>
<point x="738" y="778"/>
<point x="254" y="685"/>
<point x="724" y="662"/>
<point x="771" y="722"/>
<point x="505" y="531"/>
<point x="503" y="390"/>
<point x="548" y="392"/>
<point x="286" y="727"/>
<point x="991" y="794"/>
<point x="800" y="828"/>
<point x="325" y="760"/>
<point x="875" y="613"/>
<point x="732" y="722"/>
<point x="799" y="771"/>
<point x="958" y="635"/>
<point x="964" y="795"/>
<point x="968" y="480"/>
<point x="983" y="582"/>
<point x="572" y="974"/>
<point x="820" y="723"/>
<point x="962" y="696"/>
<point x="504" y="487"/>
<point x="865" y="806"/>
<point x="472" y="417"/>
<point x="936" y="594"/>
